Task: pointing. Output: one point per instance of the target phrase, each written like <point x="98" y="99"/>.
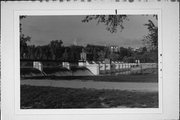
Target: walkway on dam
<point x="130" y="86"/>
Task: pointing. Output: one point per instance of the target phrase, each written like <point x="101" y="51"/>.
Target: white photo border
<point x="27" y="8"/>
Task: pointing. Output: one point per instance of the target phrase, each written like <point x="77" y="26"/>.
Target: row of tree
<point x="56" y="51"/>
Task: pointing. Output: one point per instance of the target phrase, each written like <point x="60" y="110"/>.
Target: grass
<point x="109" y="78"/>
<point x="50" y="70"/>
<point x="54" y="98"/>
<point x="30" y="72"/>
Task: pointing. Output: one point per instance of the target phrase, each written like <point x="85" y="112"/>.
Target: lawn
<point x="53" y="98"/>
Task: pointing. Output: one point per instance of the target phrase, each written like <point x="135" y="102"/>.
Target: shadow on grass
<point x="54" y="98"/>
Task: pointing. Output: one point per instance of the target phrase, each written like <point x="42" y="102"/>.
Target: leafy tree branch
<point x="112" y="22"/>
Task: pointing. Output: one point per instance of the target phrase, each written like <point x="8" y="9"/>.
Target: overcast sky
<point x="43" y="29"/>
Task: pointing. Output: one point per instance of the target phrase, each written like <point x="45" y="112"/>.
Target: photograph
<point x="89" y="61"/>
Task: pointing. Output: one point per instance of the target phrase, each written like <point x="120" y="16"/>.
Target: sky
<point x="71" y="29"/>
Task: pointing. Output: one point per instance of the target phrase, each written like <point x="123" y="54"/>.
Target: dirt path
<point x="131" y="86"/>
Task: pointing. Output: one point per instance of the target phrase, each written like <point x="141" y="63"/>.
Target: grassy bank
<point x="109" y="78"/>
<point x="50" y="97"/>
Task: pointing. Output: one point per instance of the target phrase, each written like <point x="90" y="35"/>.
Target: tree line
<point x="55" y="50"/>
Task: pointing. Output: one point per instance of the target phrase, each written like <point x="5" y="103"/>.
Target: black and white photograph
<point x="89" y="61"/>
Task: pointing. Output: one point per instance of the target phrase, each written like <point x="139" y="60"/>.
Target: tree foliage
<point x="112" y="22"/>
<point x="56" y="49"/>
<point x="152" y="38"/>
<point x="23" y="40"/>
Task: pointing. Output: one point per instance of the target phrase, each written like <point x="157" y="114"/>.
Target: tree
<point x="38" y="52"/>
<point x="95" y="52"/>
<point x="101" y="55"/>
<point x="112" y="22"/>
<point x="56" y="49"/>
<point x="23" y="45"/>
<point x="107" y="52"/>
<point x="23" y="41"/>
<point x="152" y="38"/>
<point x="114" y="56"/>
<point x="65" y="55"/>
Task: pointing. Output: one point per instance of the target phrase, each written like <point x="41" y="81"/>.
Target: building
<point x="114" y="48"/>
